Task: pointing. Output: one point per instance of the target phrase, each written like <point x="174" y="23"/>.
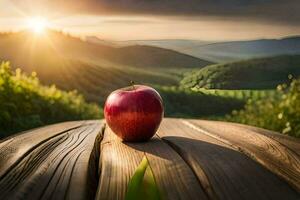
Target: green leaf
<point x="142" y="184"/>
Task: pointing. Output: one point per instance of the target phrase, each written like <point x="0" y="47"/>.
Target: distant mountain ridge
<point x="237" y="50"/>
<point x="230" y="50"/>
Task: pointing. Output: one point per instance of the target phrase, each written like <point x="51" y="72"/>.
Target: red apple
<point x="134" y="113"/>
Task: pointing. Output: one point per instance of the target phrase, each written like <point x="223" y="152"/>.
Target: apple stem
<point x="132" y="84"/>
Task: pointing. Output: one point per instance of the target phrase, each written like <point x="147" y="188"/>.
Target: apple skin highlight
<point x="134" y="113"/>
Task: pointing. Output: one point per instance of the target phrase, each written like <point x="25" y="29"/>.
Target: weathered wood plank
<point x="117" y="164"/>
<point x="54" y="166"/>
<point x="268" y="152"/>
<point x="120" y="160"/>
<point x="190" y="159"/>
<point x="223" y="171"/>
<point x="13" y="148"/>
<point x="291" y="143"/>
<point x="173" y="176"/>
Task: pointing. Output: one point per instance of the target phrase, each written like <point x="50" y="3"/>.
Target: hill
<point x="93" y="69"/>
<point x="230" y="50"/>
<point x="263" y="73"/>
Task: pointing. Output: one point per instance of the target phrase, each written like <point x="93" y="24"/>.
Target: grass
<point x="238" y="94"/>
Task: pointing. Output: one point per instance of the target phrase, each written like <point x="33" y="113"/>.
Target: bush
<point x="25" y="103"/>
<point x="280" y="113"/>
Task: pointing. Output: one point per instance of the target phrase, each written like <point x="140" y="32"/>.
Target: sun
<point x="37" y="24"/>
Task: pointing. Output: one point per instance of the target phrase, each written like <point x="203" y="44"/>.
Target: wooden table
<point x="190" y="159"/>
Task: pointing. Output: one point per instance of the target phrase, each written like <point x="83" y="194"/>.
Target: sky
<point x="209" y="20"/>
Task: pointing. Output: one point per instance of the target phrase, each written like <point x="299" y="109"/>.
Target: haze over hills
<point x="228" y="50"/>
<point x="93" y="69"/>
<point x="174" y="44"/>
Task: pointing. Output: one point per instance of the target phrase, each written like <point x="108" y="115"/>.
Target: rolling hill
<point x="230" y="50"/>
<point x="97" y="68"/>
<point x="93" y="69"/>
<point x="262" y="73"/>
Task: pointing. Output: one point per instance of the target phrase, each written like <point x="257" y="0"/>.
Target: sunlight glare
<point x="37" y="24"/>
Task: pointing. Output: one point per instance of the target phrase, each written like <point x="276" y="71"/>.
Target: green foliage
<point x="263" y="73"/>
<point x="280" y="113"/>
<point x="142" y="184"/>
<point x="179" y="102"/>
<point x="25" y="103"/>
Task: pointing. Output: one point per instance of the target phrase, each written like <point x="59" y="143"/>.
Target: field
<point x="238" y="94"/>
<point x="186" y="103"/>
<point x="208" y="103"/>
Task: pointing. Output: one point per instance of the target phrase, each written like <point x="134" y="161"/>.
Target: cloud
<point x="129" y="21"/>
<point x="278" y="11"/>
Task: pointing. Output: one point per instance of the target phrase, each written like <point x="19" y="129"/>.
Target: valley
<point x="189" y="86"/>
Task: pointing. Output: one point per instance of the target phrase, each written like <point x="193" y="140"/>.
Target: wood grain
<point x="190" y="159"/>
<point x="55" y="165"/>
<point x="290" y="142"/>
<point x="268" y="152"/>
<point x="13" y="148"/>
<point x="222" y="170"/>
<point x="120" y="160"/>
